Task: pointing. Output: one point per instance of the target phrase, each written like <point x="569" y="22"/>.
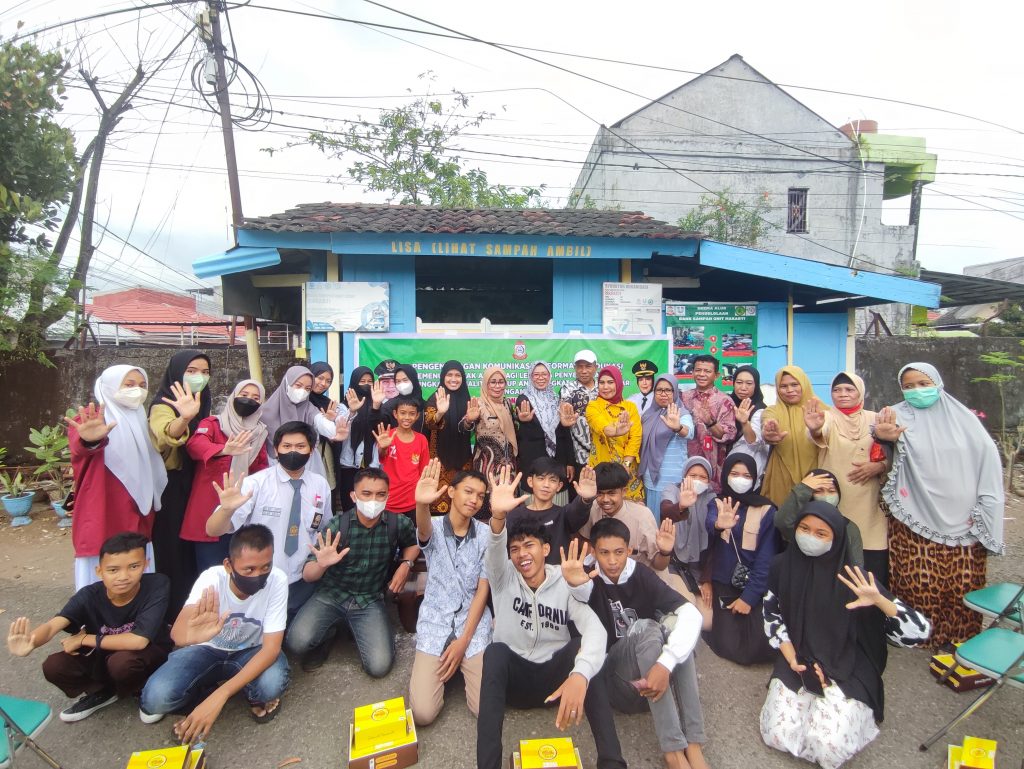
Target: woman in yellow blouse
<point x="180" y="402"/>
<point x="615" y="428"/>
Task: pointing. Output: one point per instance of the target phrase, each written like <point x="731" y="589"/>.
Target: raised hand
<point x="728" y="515"/>
<point x="586" y="486"/>
<point x="771" y="433"/>
<point x="443" y="401"/>
<point x="503" y="492"/>
<point x="574" y="572"/>
<point x="687" y="494"/>
<point x="326" y="550"/>
<point x="331" y="412"/>
<point x="343" y="426"/>
<point x="89" y="423"/>
<point x="206" y="620"/>
<point x="237" y="444"/>
<point x="473" y="410"/>
<point x="567" y="415"/>
<point x="744" y="411"/>
<point x="863" y="587"/>
<point x="671" y="418"/>
<point x="525" y="411"/>
<point x="354" y="401"/>
<point x="666" y="539"/>
<point x="19" y="638"/>
<point x="816" y="482"/>
<point x="230" y="494"/>
<point x="377" y="394"/>
<point x="383" y="436"/>
<point x="428" y="487"/>
<point x="814" y="415"/>
<point x="620" y="426"/>
<point x="185" y="402"/>
<point x="886" y="428"/>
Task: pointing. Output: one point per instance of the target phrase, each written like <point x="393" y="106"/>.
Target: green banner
<point x="427" y="353"/>
<point x="727" y="331"/>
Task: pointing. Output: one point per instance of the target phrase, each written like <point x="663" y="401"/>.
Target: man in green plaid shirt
<point x="352" y="577"/>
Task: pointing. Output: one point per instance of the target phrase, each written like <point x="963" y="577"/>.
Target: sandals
<point x="268" y="714"/>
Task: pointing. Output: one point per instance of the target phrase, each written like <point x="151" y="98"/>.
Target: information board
<point x="347" y="306"/>
<point x="631" y="309"/>
<point x="727" y="331"/>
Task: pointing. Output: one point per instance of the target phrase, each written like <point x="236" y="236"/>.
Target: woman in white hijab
<point x="119" y="476"/>
<point x="945" y="495"/>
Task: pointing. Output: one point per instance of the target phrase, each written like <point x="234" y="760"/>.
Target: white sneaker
<point x="146" y="718"/>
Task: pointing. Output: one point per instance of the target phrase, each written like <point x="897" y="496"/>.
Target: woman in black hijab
<point x="356" y="451"/>
<point x="182" y="399"/>
<point x="323" y="378"/>
<point x="449" y="435"/>
<point x="749" y="408"/>
<point x="826" y="695"/>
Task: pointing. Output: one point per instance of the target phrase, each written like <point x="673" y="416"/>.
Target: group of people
<point x="563" y="545"/>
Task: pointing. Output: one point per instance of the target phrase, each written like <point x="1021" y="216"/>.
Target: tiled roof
<point x="134" y="310"/>
<point x="382" y="218"/>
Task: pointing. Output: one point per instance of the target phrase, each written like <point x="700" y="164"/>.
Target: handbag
<point x="741" y="573"/>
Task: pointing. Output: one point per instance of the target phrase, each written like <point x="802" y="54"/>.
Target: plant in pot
<point x="50" y="448"/>
<point x="17" y="500"/>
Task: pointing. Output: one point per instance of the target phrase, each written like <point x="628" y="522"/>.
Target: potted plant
<point x="50" y="448"/>
<point x="16" y="499"/>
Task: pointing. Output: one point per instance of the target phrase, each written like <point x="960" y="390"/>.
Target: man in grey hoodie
<point x="532" y="646"/>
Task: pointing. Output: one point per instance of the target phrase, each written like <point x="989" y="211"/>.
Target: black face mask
<point x="293" y="460"/>
<point x="363" y="390"/>
<point x="250" y="585"/>
<point x="246" y="407"/>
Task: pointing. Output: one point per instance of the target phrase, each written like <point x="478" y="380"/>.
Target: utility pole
<point x="224" y="107"/>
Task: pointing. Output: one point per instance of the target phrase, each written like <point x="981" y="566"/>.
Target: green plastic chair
<point x="22" y="721"/>
<point x="997" y="602"/>
<point x="998" y="653"/>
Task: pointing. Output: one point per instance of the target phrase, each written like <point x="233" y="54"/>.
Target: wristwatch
<point x="410" y="563"/>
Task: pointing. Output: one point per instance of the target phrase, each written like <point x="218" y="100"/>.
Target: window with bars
<point x="796" y="217"/>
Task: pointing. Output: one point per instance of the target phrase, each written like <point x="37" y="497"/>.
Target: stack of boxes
<point x="178" y="757"/>
<point x="975" y="753"/>
<point x="383" y="735"/>
<point x="552" y="753"/>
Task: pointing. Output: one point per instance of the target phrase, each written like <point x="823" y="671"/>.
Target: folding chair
<point x="997" y="602"/>
<point x="998" y="653"/>
<point x="22" y="721"/>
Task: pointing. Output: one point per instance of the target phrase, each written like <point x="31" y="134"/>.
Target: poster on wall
<point x="347" y="306"/>
<point x="427" y="353"/>
<point x="631" y="309"/>
<point x="727" y="331"/>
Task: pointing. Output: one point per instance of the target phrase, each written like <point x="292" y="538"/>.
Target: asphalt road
<point x="313" y="724"/>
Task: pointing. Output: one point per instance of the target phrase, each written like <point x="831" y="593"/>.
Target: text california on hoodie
<point x="534" y="624"/>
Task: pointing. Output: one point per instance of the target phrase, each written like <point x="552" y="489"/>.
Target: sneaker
<point x="146" y="718"/>
<point x="87" y="705"/>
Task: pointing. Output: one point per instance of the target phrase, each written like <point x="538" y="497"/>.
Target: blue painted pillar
<point x="772" y="339"/>
<point x="316" y="341"/>
<point x="577" y="293"/>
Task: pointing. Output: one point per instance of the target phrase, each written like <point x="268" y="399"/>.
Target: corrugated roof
<point x="971" y="289"/>
<point x="138" y="310"/>
<point x="382" y="218"/>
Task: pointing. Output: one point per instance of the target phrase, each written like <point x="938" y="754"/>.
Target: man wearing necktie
<point x="644" y="372"/>
<point x="295" y="504"/>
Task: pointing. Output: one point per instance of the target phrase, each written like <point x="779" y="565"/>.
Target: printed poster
<point x="727" y="331"/>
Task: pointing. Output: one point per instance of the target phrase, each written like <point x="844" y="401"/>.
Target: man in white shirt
<point x="578" y="394"/>
<point x="229" y="636"/>
<point x="288" y="498"/>
<point x="644" y="372"/>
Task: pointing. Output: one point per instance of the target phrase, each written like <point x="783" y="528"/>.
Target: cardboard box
<point x="978" y="753"/>
<point x="550" y="753"/>
<point x="953" y="757"/>
<point x="961" y="679"/>
<point x="381" y="722"/>
<point x="393" y="754"/>
<point x="164" y="758"/>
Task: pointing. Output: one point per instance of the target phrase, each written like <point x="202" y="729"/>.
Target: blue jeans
<point x="314" y="623"/>
<point x="192" y="672"/>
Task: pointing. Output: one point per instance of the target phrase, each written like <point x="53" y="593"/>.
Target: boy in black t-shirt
<point x="118" y="636"/>
<point x="647" y="666"/>
<point x="546" y="479"/>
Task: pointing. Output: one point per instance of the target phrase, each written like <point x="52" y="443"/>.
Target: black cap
<point x="386" y="368"/>
<point x="644" y="368"/>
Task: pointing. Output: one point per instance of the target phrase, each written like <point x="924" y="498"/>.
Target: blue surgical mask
<point x="811" y="546"/>
<point x="921" y="397"/>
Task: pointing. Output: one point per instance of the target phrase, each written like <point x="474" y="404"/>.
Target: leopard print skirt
<point x="933" y="579"/>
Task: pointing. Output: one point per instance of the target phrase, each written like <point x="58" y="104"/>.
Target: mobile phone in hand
<point x="810" y="679"/>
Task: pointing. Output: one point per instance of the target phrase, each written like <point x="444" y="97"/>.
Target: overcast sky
<point x="164" y="190"/>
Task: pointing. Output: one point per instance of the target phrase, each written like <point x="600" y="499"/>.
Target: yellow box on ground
<point x="396" y="753"/>
<point x="380" y="722"/>
<point x="978" y="753"/>
<point x="164" y="758"/>
<point x="553" y="753"/>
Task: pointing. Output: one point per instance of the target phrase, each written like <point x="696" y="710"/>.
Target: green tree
<point x="1011" y="442"/>
<point x="38" y="171"/>
<point x="719" y="216"/>
<point x="409" y="153"/>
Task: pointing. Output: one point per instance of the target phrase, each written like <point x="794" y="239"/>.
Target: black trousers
<point x="126" y="672"/>
<point x="508" y="679"/>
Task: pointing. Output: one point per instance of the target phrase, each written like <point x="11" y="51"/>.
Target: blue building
<point x="537" y="270"/>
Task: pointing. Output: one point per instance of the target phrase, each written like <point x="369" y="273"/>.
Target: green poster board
<point x="427" y="353"/>
<point x="727" y="331"/>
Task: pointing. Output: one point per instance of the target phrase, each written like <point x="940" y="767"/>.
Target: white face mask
<point x="297" y="395"/>
<point x="130" y="397"/>
<point x="699" y="487"/>
<point x="404" y="388"/>
<point x="811" y="546"/>
<point x="370" y="508"/>
<point x="832" y="499"/>
<point x="741" y="485"/>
